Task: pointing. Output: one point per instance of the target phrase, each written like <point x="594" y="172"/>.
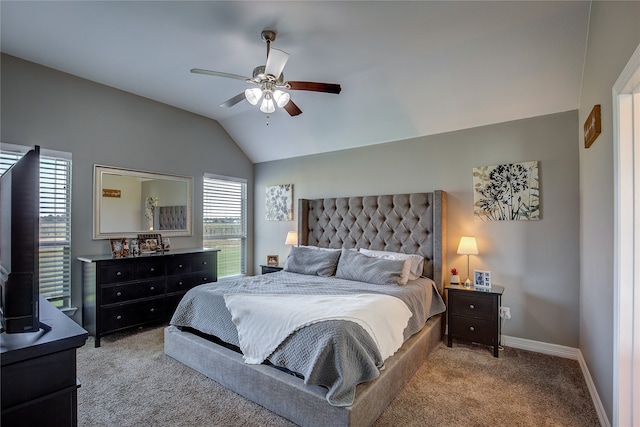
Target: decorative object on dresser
<point x="455" y="278"/>
<point x="481" y="279"/>
<point x="39" y="384"/>
<point x="473" y="315"/>
<point x="270" y="268"/>
<point x="468" y="246"/>
<point x="149" y="243"/>
<point x="273" y="260"/>
<point x="127" y="292"/>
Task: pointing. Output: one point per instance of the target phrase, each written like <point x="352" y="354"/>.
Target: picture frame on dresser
<point x="116" y="247"/>
<point x="149" y="243"/>
<point x="482" y="279"/>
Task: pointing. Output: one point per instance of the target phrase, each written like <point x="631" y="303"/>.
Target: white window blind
<point x="55" y="220"/>
<point x="225" y="222"/>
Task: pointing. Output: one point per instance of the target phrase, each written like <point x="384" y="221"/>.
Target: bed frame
<point x="410" y="223"/>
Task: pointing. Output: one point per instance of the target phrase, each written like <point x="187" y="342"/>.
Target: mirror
<point x="128" y="202"/>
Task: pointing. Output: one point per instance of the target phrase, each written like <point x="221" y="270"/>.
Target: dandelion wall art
<point x="508" y="192"/>
<point x="279" y="203"/>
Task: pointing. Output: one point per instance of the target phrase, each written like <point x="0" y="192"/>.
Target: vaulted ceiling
<point x="407" y="69"/>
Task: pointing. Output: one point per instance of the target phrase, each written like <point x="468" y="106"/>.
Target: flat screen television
<point x="19" y="244"/>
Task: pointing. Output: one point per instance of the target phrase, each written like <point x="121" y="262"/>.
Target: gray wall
<point x="537" y="261"/>
<point x="614" y="34"/>
<point x="102" y="125"/>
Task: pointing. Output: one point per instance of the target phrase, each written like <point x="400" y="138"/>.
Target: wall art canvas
<point x="279" y="206"/>
<point x="508" y="192"/>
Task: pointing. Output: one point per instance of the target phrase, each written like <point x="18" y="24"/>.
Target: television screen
<point x="19" y="244"/>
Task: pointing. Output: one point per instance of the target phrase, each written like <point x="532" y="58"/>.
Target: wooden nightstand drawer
<point x="266" y="269"/>
<point x="473" y="305"/>
<point x="476" y="330"/>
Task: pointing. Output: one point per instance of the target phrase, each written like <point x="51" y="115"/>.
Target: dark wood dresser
<point x="473" y="315"/>
<point x="121" y="293"/>
<point x="39" y="384"/>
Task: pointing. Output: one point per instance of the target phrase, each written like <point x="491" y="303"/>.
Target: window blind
<point x="225" y="222"/>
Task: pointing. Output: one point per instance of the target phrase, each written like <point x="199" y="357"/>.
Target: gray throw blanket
<point x="336" y="354"/>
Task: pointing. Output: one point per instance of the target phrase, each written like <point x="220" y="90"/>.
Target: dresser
<point x="39" y="384"/>
<point x="473" y="315"/>
<point x="121" y="293"/>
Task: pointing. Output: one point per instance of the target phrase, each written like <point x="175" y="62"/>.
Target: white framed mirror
<point x="129" y="202"/>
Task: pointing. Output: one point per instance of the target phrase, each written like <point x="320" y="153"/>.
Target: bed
<point x="404" y="223"/>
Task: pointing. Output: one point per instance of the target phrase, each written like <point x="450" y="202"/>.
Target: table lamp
<point x="467" y="246"/>
<point x="292" y="238"/>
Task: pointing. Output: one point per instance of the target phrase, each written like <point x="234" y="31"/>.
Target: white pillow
<point x="413" y="264"/>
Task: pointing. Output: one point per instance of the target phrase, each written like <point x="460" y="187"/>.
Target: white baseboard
<point x="567" y="353"/>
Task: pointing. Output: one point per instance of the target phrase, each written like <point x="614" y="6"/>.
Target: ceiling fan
<point x="270" y="81"/>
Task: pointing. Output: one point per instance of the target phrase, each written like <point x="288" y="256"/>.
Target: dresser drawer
<point x="117" y="272"/>
<point x="472" y="305"/>
<point x="203" y="262"/>
<point x="475" y="330"/>
<point x="132" y="314"/>
<point x="150" y="268"/>
<point x="132" y="291"/>
<point x="181" y="283"/>
<point x="179" y="265"/>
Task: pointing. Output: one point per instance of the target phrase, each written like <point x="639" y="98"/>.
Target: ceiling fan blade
<point x="292" y="108"/>
<point x="276" y="61"/>
<point x="219" y="74"/>
<point x="314" y="86"/>
<point x="233" y="101"/>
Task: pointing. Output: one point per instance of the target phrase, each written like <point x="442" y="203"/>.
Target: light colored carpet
<point x="130" y="382"/>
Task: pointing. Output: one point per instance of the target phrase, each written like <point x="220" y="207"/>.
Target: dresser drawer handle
<point x="205" y="279"/>
<point x="119" y="273"/>
<point x="118" y="317"/>
<point x="180" y="283"/>
<point x="179" y="265"/>
<point x="152" y="269"/>
<point x="153" y="288"/>
<point x="118" y="293"/>
<point x="204" y="262"/>
<point x="152" y="310"/>
<point x="471" y="306"/>
<point x="471" y="328"/>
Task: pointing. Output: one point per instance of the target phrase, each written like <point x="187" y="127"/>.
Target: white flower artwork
<point x="508" y="192"/>
<point x="279" y="204"/>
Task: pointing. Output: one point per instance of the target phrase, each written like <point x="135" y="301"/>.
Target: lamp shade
<point x="253" y="95"/>
<point x="468" y="246"/>
<point x="292" y="238"/>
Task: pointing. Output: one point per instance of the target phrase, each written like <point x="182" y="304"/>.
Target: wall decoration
<point x="508" y="192"/>
<point x="592" y="126"/>
<point x="279" y="205"/>
<point x="106" y="192"/>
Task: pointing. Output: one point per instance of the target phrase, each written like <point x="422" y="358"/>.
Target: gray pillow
<point x="356" y="266"/>
<point x="312" y="261"/>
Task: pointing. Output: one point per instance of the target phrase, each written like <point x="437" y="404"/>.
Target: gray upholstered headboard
<point x="408" y="223"/>
<point x="172" y="218"/>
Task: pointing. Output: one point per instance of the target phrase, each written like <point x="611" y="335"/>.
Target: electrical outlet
<point x="505" y="313"/>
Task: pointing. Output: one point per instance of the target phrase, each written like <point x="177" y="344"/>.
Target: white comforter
<point x="265" y="321"/>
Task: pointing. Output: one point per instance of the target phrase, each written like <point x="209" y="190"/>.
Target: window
<point x="55" y="220"/>
<point x="225" y="222"/>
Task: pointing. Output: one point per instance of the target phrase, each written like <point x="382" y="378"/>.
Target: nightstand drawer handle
<point x="471" y="328"/>
<point x="471" y="306"/>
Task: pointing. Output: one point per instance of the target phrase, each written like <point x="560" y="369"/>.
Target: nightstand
<point x="270" y="268"/>
<point x="474" y="315"/>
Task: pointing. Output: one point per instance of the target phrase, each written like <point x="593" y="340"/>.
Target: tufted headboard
<point x="172" y="218"/>
<point x="408" y="223"/>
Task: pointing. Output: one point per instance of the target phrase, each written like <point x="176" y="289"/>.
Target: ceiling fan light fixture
<point x="253" y="95"/>
<point x="267" y="106"/>
<point x="281" y="98"/>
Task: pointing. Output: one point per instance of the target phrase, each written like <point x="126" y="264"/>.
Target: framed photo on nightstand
<point x="482" y="279"/>
<point x="272" y="260"/>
